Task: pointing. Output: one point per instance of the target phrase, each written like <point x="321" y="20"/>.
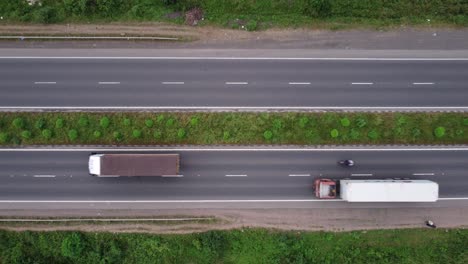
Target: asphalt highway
<point x="228" y="178"/>
<point x="71" y="82"/>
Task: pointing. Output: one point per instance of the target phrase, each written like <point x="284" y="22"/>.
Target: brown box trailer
<point x="103" y="165"/>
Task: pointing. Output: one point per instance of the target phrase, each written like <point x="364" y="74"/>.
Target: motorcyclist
<point x="348" y="163"/>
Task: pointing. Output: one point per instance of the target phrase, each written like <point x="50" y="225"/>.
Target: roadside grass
<point x="80" y="221"/>
<point x="238" y="246"/>
<point x="231" y="128"/>
<point x="246" y="14"/>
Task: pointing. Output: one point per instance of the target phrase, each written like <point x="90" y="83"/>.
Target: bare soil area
<point x="283" y="219"/>
<point x="214" y="37"/>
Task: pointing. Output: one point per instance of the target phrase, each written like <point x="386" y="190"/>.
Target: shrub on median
<point x="242" y="128"/>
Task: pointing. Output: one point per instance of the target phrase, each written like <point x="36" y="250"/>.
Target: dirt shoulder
<point x="213" y="37"/>
<point x="284" y="219"/>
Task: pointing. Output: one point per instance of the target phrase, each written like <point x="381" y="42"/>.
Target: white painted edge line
<point x="236" y="83"/>
<point x="362" y="83"/>
<point x="236" y="175"/>
<point x="197" y="201"/>
<point x="44" y="176"/>
<point x="58" y="149"/>
<point x="361" y="174"/>
<point x="423" y="174"/>
<point x="87" y="37"/>
<point x="45" y="82"/>
<point x="106" y="220"/>
<point x="299" y="83"/>
<point x="173" y="176"/>
<point x="109" y="83"/>
<point x="424" y="83"/>
<point x="299" y="175"/>
<point x="236" y="107"/>
<point x="233" y="58"/>
<point x="173" y="82"/>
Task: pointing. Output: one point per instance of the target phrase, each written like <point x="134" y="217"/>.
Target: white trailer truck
<point x="113" y="165"/>
<point x="377" y="190"/>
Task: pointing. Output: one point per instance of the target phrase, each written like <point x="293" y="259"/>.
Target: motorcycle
<point x="348" y="163"/>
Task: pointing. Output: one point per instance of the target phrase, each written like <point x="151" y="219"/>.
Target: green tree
<point x="46" y="133"/>
<point x="72" y="134"/>
<point x="72" y="246"/>
<point x="104" y="122"/>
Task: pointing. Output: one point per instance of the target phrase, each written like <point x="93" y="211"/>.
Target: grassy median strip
<point x="135" y="128"/>
<point x="238" y="246"/>
<point x="245" y="14"/>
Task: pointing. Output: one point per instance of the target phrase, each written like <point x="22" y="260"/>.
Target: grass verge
<point x="246" y="14"/>
<point x="238" y="246"/>
<point x="133" y="128"/>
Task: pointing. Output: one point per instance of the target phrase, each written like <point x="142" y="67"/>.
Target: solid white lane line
<point x="44" y="176"/>
<point x="173" y="176"/>
<point x="155" y="149"/>
<point x="197" y="201"/>
<point x="109" y="82"/>
<point x="361" y="174"/>
<point x="362" y="83"/>
<point x="234" y="108"/>
<point x="236" y="175"/>
<point x="106" y="219"/>
<point x="234" y="58"/>
<point x="299" y="175"/>
<point x="423" y="174"/>
<point x="169" y="201"/>
<point x="173" y="82"/>
<point x="237" y="83"/>
<point x="426" y="83"/>
<point x="45" y="82"/>
<point x="299" y="83"/>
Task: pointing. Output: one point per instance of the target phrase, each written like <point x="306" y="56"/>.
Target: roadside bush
<point x="459" y="132"/>
<point x="361" y="122"/>
<point x="104" y="122"/>
<point x="226" y="135"/>
<point x="439" y="132"/>
<point x="59" y="123"/>
<point x="40" y="123"/>
<point x="416" y="132"/>
<point x="18" y="123"/>
<point x="277" y="124"/>
<point x="157" y="134"/>
<point x="373" y="135"/>
<point x="334" y="133"/>
<point x="194" y="121"/>
<point x="318" y="8"/>
<point x="160" y="118"/>
<point x="72" y="246"/>
<point x="252" y="25"/>
<point x="83" y="121"/>
<point x="354" y="134"/>
<point x="267" y="134"/>
<point x="127" y="122"/>
<point x="72" y="134"/>
<point x="26" y="134"/>
<point x="97" y="134"/>
<point x="181" y="133"/>
<point x="46" y="134"/>
<point x="345" y="122"/>
<point x="465" y="121"/>
<point x="4" y="137"/>
<point x="46" y="15"/>
<point x="170" y="122"/>
<point x="303" y="122"/>
<point x="149" y="123"/>
<point x="136" y="133"/>
<point x="117" y="136"/>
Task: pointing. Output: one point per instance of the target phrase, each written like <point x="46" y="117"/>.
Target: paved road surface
<point x="200" y="82"/>
<point x="224" y="175"/>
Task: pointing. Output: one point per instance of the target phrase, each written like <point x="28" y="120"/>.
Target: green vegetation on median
<point x="256" y="246"/>
<point x="133" y="128"/>
<point x="247" y="14"/>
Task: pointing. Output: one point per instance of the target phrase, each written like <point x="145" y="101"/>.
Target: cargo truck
<point x="377" y="190"/>
<point x="113" y="165"/>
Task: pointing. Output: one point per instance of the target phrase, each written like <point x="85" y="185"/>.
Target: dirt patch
<point x="215" y="37"/>
<point x="283" y="219"/>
